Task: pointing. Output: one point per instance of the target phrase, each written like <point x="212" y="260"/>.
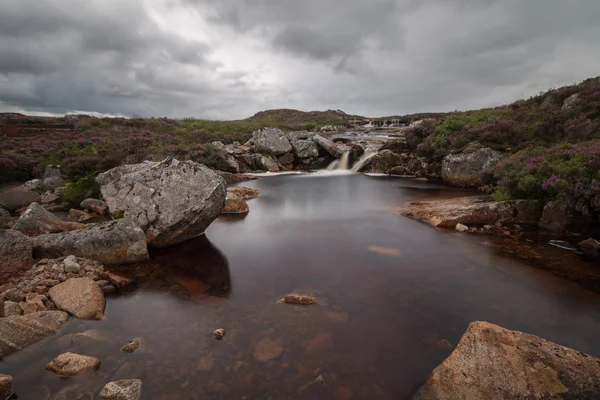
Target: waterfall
<point x="363" y="160"/>
<point x="343" y="163"/>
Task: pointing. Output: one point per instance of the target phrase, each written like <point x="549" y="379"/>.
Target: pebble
<point x="219" y="334"/>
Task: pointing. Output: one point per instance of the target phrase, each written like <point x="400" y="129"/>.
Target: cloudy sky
<point x="228" y="59"/>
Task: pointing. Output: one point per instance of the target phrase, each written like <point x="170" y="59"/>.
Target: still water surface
<point x="395" y="297"/>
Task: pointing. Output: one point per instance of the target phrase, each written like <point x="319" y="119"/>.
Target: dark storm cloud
<point x="366" y="57"/>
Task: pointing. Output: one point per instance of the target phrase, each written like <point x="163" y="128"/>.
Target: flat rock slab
<point x="127" y="389"/>
<point x="81" y="297"/>
<point x="72" y="364"/>
<point x="494" y="363"/>
<point x="17" y="332"/>
<point x="114" y="242"/>
<point x="474" y="210"/>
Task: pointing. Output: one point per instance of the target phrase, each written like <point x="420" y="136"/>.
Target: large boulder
<point x="53" y="182"/>
<point x="172" y="201"/>
<point x="115" y="242"/>
<point x="36" y="220"/>
<point x="127" y="389"/>
<point x="465" y="169"/>
<point x="305" y="148"/>
<point x="299" y="135"/>
<point x="354" y="154"/>
<point x="384" y="162"/>
<point x="16" y="199"/>
<point x="564" y="215"/>
<point x="17" y="332"/>
<point x="476" y="210"/>
<point x="272" y="141"/>
<point x="16" y="252"/>
<point x="494" y="363"/>
<point x="33" y="184"/>
<point x="81" y="297"/>
<point x="328" y="146"/>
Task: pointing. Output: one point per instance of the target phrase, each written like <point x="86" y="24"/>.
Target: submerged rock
<point x="235" y="205"/>
<point x="494" y="363"/>
<point x="127" y="389"/>
<point x="133" y="345"/>
<point x="71" y="364"/>
<point x="18" y="332"/>
<point x="114" y="242"/>
<point x="80" y="297"/>
<point x="267" y="349"/>
<point x="476" y="210"/>
<point x="465" y="169"/>
<point x="299" y="299"/>
<point x="219" y="334"/>
<point x="16" y="252"/>
<point x="16" y="199"/>
<point x="272" y="141"/>
<point x="172" y="201"/>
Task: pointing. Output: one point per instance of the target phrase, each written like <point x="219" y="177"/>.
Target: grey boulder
<point x="328" y="146"/>
<point x="126" y="389"/>
<point x="16" y="199"/>
<point x="305" y="148"/>
<point x="465" y="169"/>
<point x="17" y="332"/>
<point x="53" y="182"/>
<point x="172" y="201"/>
<point x="36" y="220"/>
<point x="272" y="141"/>
<point x="115" y="242"/>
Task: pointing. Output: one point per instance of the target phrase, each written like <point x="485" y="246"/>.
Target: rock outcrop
<point x="563" y="215"/>
<point x="465" y="169"/>
<point x="476" y="210"/>
<point x="17" y="332"/>
<point x="15" y="199"/>
<point x="36" y="220"/>
<point x="171" y="201"/>
<point x="494" y="363"/>
<point x="81" y="297"/>
<point x="16" y="252"/>
<point x="127" y="389"/>
<point x="72" y="364"/>
<point x="115" y="242"/>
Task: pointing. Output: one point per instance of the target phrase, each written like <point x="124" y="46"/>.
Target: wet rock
<point x="79" y="216"/>
<point x="5" y="386"/>
<point x="80" y="297"/>
<point x="36" y="220"/>
<point x="305" y="149"/>
<point x="17" y="332"/>
<point x="12" y="308"/>
<point x="74" y="392"/>
<point x="72" y="364"/>
<point x="272" y="141"/>
<point x="245" y="193"/>
<point x="590" y="248"/>
<point x="33" y="303"/>
<point x="267" y="349"/>
<point x="16" y="252"/>
<point x="230" y="178"/>
<point x="299" y="299"/>
<point x="219" y="334"/>
<point x="127" y="389"/>
<point x="133" y="345"/>
<point x="474" y="211"/>
<point x="114" y="242"/>
<point x="235" y="205"/>
<point x="465" y="169"/>
<point x="462" y="228"/>
<point x="491" y="362"/>
<point x="119" y="281"/>
<point x="172" y="201"/>
<point x="562" y="215"/>
<point x="15" y="199"/>
<point x="93" y="338"/>
<point x="327" y="145"/>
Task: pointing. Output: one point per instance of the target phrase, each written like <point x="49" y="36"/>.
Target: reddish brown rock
<point x="80" y="297"/>
<point x="71" y="364"/>
<point x="245" y="193"/>
<point x="16" y="253"/>
<point x="494" y="363"/>
<point x="5" y="386"/>
<point x="230" y="178"/>
<point x="18" y="332"/>
<point x="235" y="205"/>
<point x="119" y="281"/>
<point x="474" y="211"/>
<point x="299" y="299"/>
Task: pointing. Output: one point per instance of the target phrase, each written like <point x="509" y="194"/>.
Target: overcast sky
<point x="229" y="59"/>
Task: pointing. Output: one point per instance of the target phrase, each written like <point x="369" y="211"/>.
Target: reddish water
<point x="394" y="297"/>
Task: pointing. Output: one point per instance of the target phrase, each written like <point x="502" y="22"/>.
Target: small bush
<point x="79" y="190"/>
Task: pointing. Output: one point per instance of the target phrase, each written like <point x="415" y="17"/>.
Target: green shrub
<point x="79" y="190"/>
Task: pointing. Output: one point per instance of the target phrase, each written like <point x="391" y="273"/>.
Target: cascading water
<point x="343" y="163"/>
